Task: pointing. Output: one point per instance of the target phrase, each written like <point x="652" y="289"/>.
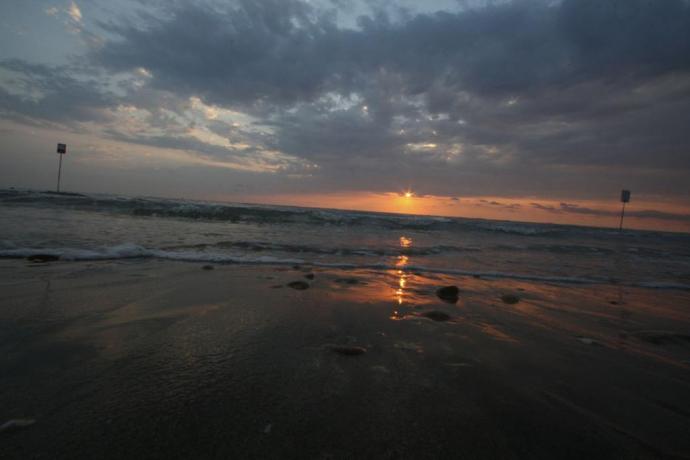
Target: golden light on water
<point x="401" y="263"/>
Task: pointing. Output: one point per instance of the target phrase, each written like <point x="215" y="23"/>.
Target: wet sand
<point x="155" y="359"/>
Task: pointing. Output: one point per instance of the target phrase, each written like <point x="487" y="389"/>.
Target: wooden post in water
<point x="61" y="150"/>
<point x="625" y="198"/>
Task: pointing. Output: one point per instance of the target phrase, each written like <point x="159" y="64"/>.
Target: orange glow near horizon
<point x="525" y="209"/>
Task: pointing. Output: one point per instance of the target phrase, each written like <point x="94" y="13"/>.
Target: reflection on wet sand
<point x="400" y="265"/>
<point x="568" y="314"/>
<point x="564" y="313"/>
<point x="198" y="345"/>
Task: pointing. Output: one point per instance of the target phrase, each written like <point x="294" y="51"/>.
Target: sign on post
<point x="62" y="150"/>
<point x="625" y="198"/>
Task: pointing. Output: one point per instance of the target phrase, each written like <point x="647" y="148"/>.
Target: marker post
<point x="61" y="150"/>
<point x="625" y="198"/>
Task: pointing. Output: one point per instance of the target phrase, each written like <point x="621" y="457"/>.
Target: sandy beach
<point x="160" y="359"/>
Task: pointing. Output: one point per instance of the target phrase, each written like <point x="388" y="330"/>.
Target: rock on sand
<point x="510" y="299"/>
<point x="299" y="285"/>
<point x="448" y="293"/>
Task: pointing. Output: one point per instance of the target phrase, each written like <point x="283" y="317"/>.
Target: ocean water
<point x="78" y="227"/>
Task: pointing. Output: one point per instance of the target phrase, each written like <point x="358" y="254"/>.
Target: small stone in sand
<point x="43" y="258"/>
<point x="207" y="267"/>
<point x="589" y="341"/>
<point x="299" y="285"/>
<point x="348" y="350"/>
<point x="277" y="286"/>
<point x="16" y="424"/>
<point x="510" y="299"/>
<point x="436" y="315"/>
<point x="448" y="293"/>
<point x="296" y="267"/>
<point x="309" y="276"/>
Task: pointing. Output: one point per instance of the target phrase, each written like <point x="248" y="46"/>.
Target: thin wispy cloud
<point x="74" y="12"/>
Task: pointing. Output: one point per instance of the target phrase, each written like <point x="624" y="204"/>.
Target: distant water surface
<point x="99" y="226"/>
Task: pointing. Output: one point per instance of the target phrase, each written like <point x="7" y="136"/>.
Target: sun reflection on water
<point x="401" y="264"/>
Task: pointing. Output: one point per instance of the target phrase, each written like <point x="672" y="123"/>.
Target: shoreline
<point x="161" y="359"/>
<point x="129" y="252"/>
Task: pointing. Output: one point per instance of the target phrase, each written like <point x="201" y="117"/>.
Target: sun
<point x="408" y="194"/>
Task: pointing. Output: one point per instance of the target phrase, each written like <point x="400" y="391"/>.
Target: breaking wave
<point x="269" y="214"/>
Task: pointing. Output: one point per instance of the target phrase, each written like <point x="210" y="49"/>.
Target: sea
<point x="87" y="227"/>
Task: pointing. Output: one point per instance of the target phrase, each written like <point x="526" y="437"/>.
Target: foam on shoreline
<point x="133" y="251"/>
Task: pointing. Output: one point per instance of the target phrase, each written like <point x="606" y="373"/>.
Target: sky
<point x="529" y="110"/>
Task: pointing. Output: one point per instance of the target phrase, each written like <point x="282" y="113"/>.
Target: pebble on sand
<point x="448" y="293"/>
<point x="299" y="285"/>
<point x="43" y="258"/>
<point x="510" y="299"/>
<point x="207" y="267"/>
<point x="16" y="424"/>
<point x="436" y="315"/>
<point x="347" y="350"/>
<point x="309" y="276"/>
<point x="589" y="341"/>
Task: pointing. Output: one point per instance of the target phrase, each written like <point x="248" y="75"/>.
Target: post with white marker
<point x="61" y="150"/>
<point x="625" y="198"/>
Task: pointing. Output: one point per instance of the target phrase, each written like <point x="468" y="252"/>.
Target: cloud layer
<point x="573" y="98"/>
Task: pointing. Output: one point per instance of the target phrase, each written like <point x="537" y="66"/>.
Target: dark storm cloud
<point x="270" y="49"/>
<point x="287" y="51"/>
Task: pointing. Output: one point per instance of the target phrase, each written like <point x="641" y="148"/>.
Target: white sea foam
<point x="134" y="251"/>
